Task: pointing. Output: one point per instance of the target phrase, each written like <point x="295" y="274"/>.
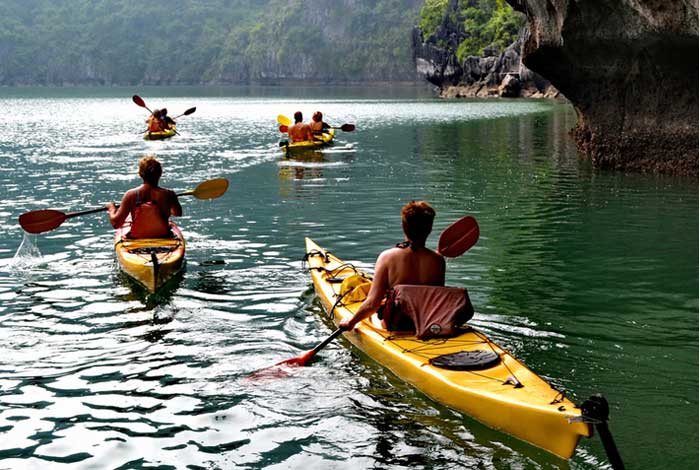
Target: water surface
<point x="590" y="278"/>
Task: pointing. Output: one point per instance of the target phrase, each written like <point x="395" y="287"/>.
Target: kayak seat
<point x="147" y="250"/>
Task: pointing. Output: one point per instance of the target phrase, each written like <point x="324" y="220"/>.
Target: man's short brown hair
<point x="150" y="170"/>
<point x="417" y="220"/>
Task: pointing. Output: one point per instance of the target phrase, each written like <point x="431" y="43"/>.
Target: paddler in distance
<point x="166" y="121"/>
<point x="149" y="205"/>
<point x="317" y="125"/>
<point x="409" y="262"/>
<point x="300" y="131"/>
<point x="155" y="124"/>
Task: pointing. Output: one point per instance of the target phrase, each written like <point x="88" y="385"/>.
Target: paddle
<point x="186" y="113"/>
<point x="139" y="101"/>
<point x="43" y="220"/>
<point x="454" y="241"/>
<point x="284" y="120"/>
<point x="344" y="128"/>
<point x="277" y="370"/>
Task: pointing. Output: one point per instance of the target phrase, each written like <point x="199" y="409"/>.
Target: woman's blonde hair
<point x="150" y="170"/>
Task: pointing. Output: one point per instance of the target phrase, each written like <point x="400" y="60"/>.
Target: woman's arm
<point x="175" y="207"/>
<point x="117" y="216"/>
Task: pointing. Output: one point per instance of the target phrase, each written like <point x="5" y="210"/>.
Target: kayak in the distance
<point x="491" y="386"/>
<point x="322" y="140"/>
<point x="160" y="135"/>
<point x="150" y="261"/>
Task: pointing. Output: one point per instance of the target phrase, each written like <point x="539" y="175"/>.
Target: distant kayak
<point x="322" y="140"/>
<point x="150" y="261"/>
<point x="492" y="386"/>
<point x="160" y="135"/>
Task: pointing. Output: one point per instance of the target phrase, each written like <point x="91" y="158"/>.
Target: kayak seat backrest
<point x="430" y="311"/>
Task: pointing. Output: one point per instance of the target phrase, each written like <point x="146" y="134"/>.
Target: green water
<point x="590" y="278"/>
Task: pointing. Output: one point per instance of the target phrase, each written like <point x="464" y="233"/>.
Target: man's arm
<point x="380" y="284"/>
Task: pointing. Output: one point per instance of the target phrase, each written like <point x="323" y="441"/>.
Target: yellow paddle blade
<point x="284" y="120"/>
<point x="210" y="189"/>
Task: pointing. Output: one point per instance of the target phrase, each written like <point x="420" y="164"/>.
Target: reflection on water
<point x="590" y="278"/>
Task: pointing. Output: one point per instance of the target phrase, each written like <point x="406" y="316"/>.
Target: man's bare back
<point x="420" y="266"/>
<point x="300" y="132"/>
<point x="408" y="263"/>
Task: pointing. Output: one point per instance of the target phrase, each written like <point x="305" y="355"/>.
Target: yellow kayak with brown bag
<point x="465" y="371"/>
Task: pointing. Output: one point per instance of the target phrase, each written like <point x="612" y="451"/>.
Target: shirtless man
<point x="149" y="205"/>
<point x="299" y="131"/>
<point x="409" y="262"/>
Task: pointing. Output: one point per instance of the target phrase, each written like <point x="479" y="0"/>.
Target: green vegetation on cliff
<point x="482" y="24"/>
<point x="130" y="42"/>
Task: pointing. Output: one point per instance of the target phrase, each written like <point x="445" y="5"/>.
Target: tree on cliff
<point x="480" y="25"/>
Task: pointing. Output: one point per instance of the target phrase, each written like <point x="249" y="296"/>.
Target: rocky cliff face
<point x="492" y="74"/>
<point x="630" y="68"/>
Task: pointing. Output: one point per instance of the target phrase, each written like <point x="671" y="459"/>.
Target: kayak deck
<point x="160" y="135"/>
<point x="150" y="261"/>
<point x="507" y="396"/>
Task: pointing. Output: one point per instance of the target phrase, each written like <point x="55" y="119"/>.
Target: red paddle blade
<point x="283" y="128"/>
<point x="137" y="99"/>
<point x="41" y="221"/>
<point x="456" y="239"/>
<point x="282" y="368"/>
<point x="347" y="127"/>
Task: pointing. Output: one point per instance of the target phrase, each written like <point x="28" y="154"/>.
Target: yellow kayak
<point x="503" y="394"/>
<point x="150" y="261"/>
<point x="322" y="140"/>
<point x="160" y="135"/>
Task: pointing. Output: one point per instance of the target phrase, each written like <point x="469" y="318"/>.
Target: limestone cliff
<point x="493" y="73"/>
<point x="630" y="68"/>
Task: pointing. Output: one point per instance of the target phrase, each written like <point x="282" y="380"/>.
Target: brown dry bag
<point x="431" y="311"/>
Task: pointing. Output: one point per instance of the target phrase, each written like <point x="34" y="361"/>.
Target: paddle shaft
<point x="344" y="128"/>
<point x="101" y="209"/>
<point x="325" y="343"/>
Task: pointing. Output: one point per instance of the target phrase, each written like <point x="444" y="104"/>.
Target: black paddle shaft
<point x="596" y="408"/>
<point x="325" y="342"/>
<point x="102" y="209"/>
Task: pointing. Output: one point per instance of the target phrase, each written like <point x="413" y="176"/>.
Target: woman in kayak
<point x="300" y="131"/>
<point x="317" y="125"/>
<point x="155" y="124"/>
<point x="409" y="262"/>
<point x="149" y="205"/>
